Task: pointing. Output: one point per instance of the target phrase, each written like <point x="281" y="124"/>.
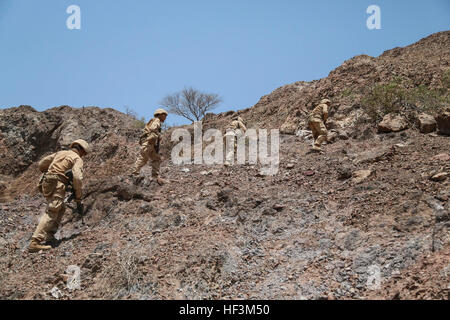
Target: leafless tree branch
<point x="191" y="103"/>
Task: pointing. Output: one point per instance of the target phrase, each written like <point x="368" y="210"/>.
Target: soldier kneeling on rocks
<point x="53" y="186"/>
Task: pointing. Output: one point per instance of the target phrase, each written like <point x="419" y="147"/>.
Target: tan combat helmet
<point x="325" y="101"/>
<point x="160" y="111"/>
<point x="83" y="144"/>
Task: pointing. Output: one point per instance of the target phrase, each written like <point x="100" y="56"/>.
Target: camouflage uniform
<point x="316" y="121"/>
<point x="53" y="187"/>
<point x="149" y="142"/>
<point x="234" y="131"/>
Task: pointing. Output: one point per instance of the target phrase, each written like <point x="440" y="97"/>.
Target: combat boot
<point x="317" y="149"/>
<point x="36" y="247"/>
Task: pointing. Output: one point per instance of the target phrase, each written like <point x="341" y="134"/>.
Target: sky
<point x="133" y="53"/>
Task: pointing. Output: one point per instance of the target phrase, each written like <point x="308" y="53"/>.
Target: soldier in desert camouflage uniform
<point x="53" y="187"/>
<point x="316" y="121"/>
<point x="150" y="142"/>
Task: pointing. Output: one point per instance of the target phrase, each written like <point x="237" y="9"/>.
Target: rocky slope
<point x="367" y="219"/>
<point x="423" y="63"/>
<point x="27" y="135"/>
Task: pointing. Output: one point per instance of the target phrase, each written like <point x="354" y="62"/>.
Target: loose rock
<point x="443" y="122"/>
<point x="392" y="123"/>
<point x="361" y="175"/>
<point x="439" y="177"/>
<point x="427" y="123"/>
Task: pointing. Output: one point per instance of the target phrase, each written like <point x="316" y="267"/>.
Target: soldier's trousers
<point x="49" y="222"/>
<point x="148" y="152"/>
<point x="319" y="131"/>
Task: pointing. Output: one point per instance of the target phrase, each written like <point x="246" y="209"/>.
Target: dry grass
<point x="123" y="276"/>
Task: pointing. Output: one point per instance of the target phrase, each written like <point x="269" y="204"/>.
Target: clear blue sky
<point x="132" y="53"/>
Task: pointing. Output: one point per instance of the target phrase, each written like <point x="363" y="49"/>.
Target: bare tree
<point x="191" y="103"/>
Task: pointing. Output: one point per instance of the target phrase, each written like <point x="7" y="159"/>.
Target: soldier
<point x="53" y="187"/>
<point x="234" y="130"/>
<point x="150" y="141"/>
<point x="316" y="121"/>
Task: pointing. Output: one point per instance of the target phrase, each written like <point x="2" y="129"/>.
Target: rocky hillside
<point x="367" y="219"/>
<point x="27" y="135"/>
<point x="426" y="62"/>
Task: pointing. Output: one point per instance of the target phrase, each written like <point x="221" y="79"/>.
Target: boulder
<point x="392" y="123"/>
<point x="443" y="122"/>
<point x="289" y="126"/>
<point x="361" y="175"/>
<point x="427" y="123"/>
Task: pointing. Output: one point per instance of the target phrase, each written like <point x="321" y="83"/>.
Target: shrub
<point x="399" y="97"/>
<point x="347" y="93"/>
<point x="446" y="79"/>
<point x="428" y="100"/>
<point x="384" y="99"/>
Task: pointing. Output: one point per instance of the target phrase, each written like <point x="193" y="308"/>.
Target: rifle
<point x="71" y="196"/>
<point x="158" y="144"/>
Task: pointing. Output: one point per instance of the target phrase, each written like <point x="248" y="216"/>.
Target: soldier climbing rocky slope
<point x="368" y="218"/>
